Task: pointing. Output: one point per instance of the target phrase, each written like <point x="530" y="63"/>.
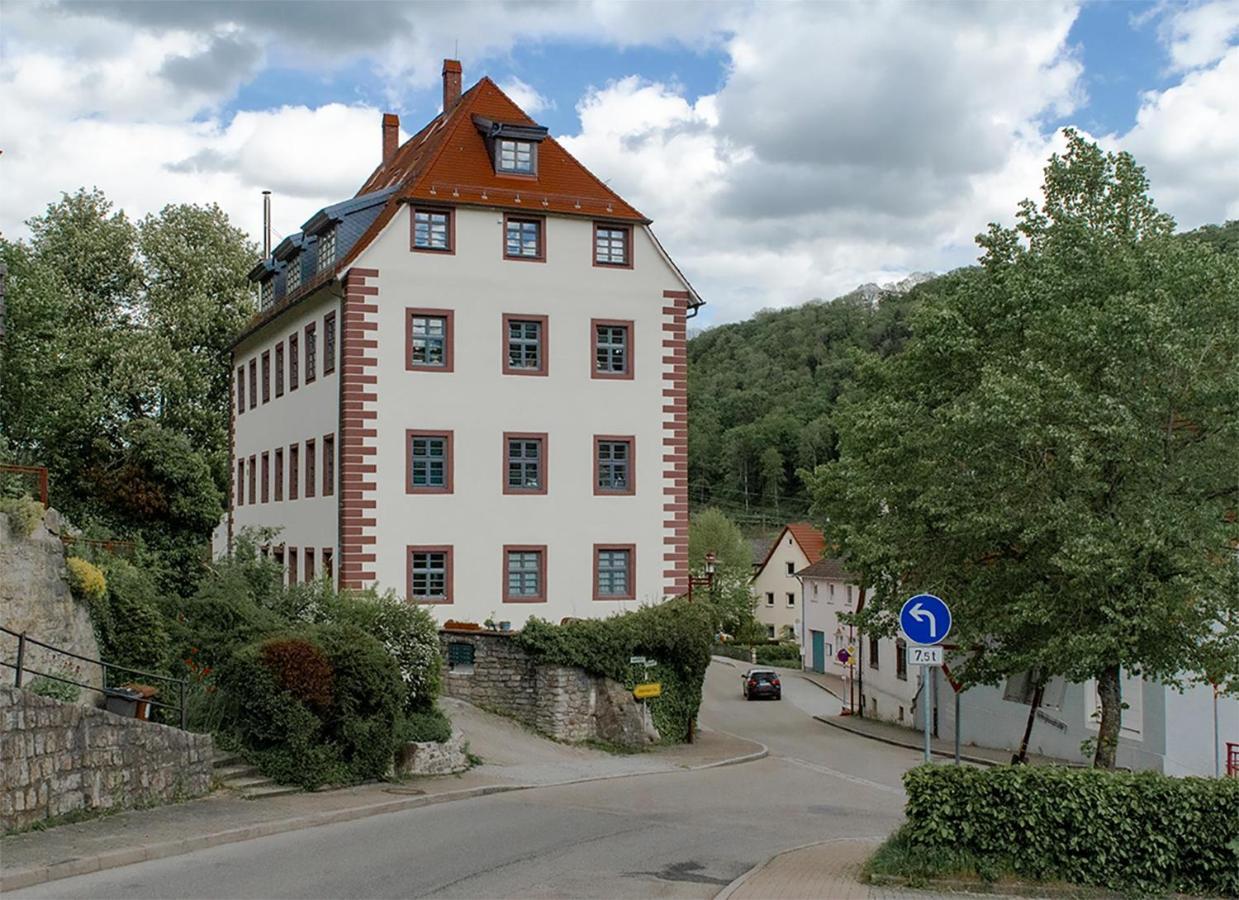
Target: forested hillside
<point x="761" y="391"/>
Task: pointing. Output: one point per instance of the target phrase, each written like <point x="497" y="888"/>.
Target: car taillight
<point x="775" y="682"/>
<point x="752" y="682"/>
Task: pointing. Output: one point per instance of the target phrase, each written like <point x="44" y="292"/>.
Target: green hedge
<point x="786" y="655"/>
<point x="676" y="634"/>
<point x="1133" y="832"/>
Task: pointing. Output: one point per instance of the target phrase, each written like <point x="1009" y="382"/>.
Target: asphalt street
<point x="679" y="834"/>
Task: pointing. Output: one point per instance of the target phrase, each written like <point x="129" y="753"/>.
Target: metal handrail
<point x="20" y="667"/>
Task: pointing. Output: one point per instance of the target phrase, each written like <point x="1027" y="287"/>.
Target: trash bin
<point x="122" y="701"/>
<point x="145" y="692"/>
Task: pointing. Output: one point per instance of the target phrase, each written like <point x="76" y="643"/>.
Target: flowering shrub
<point x="86" y="580"/>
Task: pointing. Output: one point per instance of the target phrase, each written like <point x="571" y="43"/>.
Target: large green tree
<point x="115" y="371"/>
<point x="1055" y="449"/>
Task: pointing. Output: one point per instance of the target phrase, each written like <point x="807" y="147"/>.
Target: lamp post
<point x="706" y="580"/>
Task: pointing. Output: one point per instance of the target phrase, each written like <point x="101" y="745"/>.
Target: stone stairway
<point x="235" y="774"/>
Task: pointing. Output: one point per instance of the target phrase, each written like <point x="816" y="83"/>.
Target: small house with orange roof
<point x="775" y="584"/>
<point x="467" y="383"/>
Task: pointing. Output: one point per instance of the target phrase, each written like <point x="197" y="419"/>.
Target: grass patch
<point x="899" y="861"/>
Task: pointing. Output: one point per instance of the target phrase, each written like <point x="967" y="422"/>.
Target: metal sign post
<point x="925" y="693"/>
<point x="926" y="620"/>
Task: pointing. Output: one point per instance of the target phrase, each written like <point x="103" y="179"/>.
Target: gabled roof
<point x="812" y="542"/>
<point x="829" y="567"/>
<point x="448" y="162"/>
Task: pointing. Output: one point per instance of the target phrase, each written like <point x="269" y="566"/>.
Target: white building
<point x="1162" y="729"/>
<point x="467" y="383"/>
<point x="775" y="584"/>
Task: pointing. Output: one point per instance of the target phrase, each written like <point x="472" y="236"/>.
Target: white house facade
<point x="489" y="407"/>
<point x="775" y="585"/>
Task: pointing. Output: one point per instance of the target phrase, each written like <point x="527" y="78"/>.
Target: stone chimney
<point x="451" y="83"/>
<point x="391" y="136"/>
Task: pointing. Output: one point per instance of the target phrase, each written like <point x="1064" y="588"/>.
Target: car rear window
<point x="762" y="676"/>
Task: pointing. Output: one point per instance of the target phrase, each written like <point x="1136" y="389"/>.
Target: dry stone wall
<point x="58" y="758"/>
<point x="564" y="702"/>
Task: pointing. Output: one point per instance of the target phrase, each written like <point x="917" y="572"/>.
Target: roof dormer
<point x="513" y="148"/>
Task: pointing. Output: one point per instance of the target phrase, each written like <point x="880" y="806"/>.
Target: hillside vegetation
<point x="761" y="392"/>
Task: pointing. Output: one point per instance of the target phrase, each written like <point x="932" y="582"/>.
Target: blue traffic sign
<point x="925" y="619"/>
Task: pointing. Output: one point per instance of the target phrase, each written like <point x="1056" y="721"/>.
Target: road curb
<point x="114" y="859"/>
<point x="737" y="883"/>
<point x="823" y="687"/>
<point x="908" y="745"/>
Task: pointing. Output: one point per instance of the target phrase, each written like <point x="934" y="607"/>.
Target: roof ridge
<point x="457" y="111"/>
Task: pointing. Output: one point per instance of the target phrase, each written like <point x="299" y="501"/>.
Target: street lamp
<point x="707" y="580"/>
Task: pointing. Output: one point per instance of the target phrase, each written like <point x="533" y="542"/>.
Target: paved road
<point x="682" y="834"/>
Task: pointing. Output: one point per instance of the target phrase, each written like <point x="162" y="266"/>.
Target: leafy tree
<point x="1054" y="449"/>
<point x="116" y="366"/>
<point x="710" y="531"/>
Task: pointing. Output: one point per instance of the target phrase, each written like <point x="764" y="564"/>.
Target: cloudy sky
<point x="784" y="151"/>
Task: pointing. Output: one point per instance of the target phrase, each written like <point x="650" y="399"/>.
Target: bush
<point x="302" y="669"/>
<point x="133" y="632"/>
<point x="427" y="725"/>
<point x="1133" y="832"/>
<point x="86" y="581"/>
<point x="778" y="655"/>
<point x="25" y="514"/>
<point x="222" y="616"/>
<point x="676" y="634"/>
<point x="351" y="739"/>
<point x="407" y="632"/>
<point x="56" y="690"/>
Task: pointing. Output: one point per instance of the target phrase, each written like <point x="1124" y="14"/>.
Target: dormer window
<point x="266" y="293"/>
<point x="327" y="249"/>
<point x="292" y="275"/>
<point x="517" y="157"/>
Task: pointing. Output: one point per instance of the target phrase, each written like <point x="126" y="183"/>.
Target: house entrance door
<point x="819" y="651"/>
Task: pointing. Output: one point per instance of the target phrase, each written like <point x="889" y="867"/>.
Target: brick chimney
<point x="451" y="83"/>
<point x="391" y="136"/>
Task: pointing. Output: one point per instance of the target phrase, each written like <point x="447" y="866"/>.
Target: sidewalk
<point x="911" y="738"/>
<point x="827" y="869"/>
<point x="513" y="759"/>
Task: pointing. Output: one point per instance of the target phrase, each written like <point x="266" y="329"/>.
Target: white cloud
<point x="848" y="144"/>
<point x="1187" y="138"/>
<point x="1202" y="34"/>
<point x="526" y="96"/>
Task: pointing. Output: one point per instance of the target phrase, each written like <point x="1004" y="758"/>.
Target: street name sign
<point x="925" y="619"/>
<point x="925" y="656"/>
<point x="648" y="690"/>
<point x="636" y="660"/>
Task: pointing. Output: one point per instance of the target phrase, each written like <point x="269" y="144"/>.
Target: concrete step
<point x="245" y="782"/>
<point x="241" y="770"/>
<point x="271" y="790"/>
<point x="223" y="760"/>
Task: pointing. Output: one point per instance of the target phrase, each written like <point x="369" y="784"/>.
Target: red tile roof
<point x="812" y="542"/>
<point x="447" y="162"/>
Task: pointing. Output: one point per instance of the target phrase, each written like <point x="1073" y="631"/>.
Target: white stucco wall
<point x="308" y="413"/>
<point x="479" y="403"/>
<point x="774" y="579"/>
<point x="822" y="600"/>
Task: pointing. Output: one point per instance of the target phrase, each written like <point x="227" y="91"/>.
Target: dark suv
<point x="762" y="683"/>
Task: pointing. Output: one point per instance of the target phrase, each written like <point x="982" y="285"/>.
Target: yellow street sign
<point x="648" y="690"/>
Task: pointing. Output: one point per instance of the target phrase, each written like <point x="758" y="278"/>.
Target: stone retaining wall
<point x="431" y="758"/>
<point x="59" y="758"/>
<point x="566" y="703"/>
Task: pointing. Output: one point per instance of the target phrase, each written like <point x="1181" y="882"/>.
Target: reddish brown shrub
<point x="302" y="669"/>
